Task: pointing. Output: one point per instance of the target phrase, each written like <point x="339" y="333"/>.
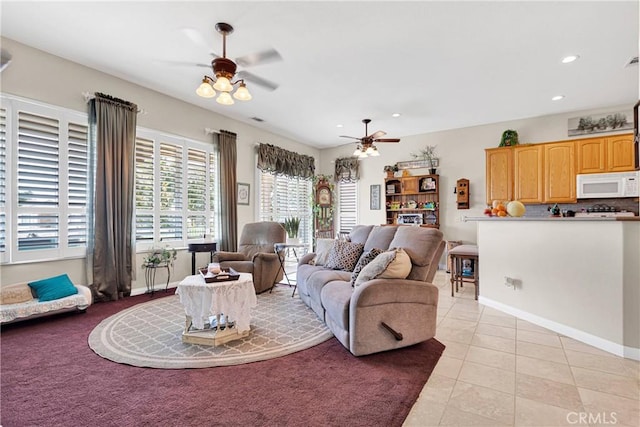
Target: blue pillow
<point x="54" y="288"/>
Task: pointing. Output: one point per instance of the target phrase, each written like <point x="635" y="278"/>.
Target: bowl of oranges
<point x="500" y="208"/>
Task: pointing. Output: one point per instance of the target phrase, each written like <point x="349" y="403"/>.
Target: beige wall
<point x="461" y="154"/>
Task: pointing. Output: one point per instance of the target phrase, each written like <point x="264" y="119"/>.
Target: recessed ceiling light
<point x="395" y="115"/>
<point x="570" y="58"/>
<point x="338" y="126"/>
<point x="557" y="98"/>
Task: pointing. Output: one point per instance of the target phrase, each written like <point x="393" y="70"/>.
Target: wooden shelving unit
<point x="402" y="192"/>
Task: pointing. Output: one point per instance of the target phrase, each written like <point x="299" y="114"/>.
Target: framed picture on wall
<point x="243" y="193"/>
<point x="374" y="197"/>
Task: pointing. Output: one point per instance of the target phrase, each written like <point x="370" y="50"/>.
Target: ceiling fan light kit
<point x="366" y="148"/>
<point x="224" y="70"/>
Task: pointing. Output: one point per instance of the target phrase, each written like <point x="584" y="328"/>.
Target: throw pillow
<point x="344" y="255"/>
<point x="399" y="268"/>
<point x="54" y="288"/>
<point x="375" y="267"/>
<point x="365" y="259"/>
<point x="323" y="247"/>
<point x="16" y="294"/>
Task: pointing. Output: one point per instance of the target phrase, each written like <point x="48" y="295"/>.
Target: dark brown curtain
<point x="228" y="192"/>
<point x="347" y="169"/>
<point x="113" y="130"/>
<point x="283" y="162"/>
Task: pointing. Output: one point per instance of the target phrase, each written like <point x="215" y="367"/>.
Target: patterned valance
<point x="283" y="162"/>
<point x="347" y="169"/>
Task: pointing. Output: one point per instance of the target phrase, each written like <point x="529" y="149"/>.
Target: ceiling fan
<point x="225" y="70"/>
<point x="365" y="147"/>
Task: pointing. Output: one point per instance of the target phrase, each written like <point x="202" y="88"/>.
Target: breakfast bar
<point x="567" y="275"/>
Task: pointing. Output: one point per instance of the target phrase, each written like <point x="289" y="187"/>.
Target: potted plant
<point x="163" y="256"/>
<point x="291" y="225"/>
<point x="509" y="138"/>
<point x="390" y="170"/>
<point x="428" y="154"/>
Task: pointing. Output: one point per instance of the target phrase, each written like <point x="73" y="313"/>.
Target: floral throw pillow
<point x="365" y="259"/>
<point x="344" y="255"/>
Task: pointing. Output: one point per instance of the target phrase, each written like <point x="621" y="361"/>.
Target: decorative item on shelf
<point x="429" y="206"/>
<point x="428" y="154"/>
<point x="390" y="170"/>
<point x="292" y="225"/>
<point x="509" y="138"/>
<point x="405" y="173"/>
<point x="160" y="256"/>
<point x="462" y="193"/>
<point x="412" y="204"/>
<point x="427" y="184"/>
<point x="394" y="206"/>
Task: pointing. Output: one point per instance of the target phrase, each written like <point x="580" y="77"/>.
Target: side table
<point x="279" y="249"/>
<point x="150" y="275"/>
<point x="200" y="247"/>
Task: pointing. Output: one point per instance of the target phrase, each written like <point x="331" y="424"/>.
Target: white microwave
<point x="607" y="185"/>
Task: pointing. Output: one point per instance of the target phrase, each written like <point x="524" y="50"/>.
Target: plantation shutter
<point x="347" y="206"/>
<point x="144" y="190"/>
<point x="78" y="167"/>
<point x="214" y="198"/>
<point x="196" y="193"/>
<point x="3" y="182"/>
<point x="171" y="201"/>
<point x="38" y="224"/>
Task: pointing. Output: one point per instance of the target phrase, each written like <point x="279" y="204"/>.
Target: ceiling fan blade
<point x="352" y="137"/>
<point x="377" y="134"/>
<point x="259" y="58"/>
<point x="386" y="140"/>
<point x="250" y="77"/>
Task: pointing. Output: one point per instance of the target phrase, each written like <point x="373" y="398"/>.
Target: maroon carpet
<point x="50" y="377"/>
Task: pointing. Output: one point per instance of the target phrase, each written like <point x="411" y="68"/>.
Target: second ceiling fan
<point x="365" y="147"/>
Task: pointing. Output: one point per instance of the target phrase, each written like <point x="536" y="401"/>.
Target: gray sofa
<point x="379" y="314"/>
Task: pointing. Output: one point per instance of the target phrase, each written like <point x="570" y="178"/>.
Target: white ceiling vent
<point x="632" y="61"/>
<point x="257" y="119"/>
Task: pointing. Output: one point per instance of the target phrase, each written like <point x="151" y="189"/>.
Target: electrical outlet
<point x="509" y="282"/>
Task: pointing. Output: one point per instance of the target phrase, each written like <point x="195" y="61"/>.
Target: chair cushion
<point x="365" y="259"/>
<point x="344" y="255"/>
<point x="54" y="288"/>
<point x="15" y="294"/>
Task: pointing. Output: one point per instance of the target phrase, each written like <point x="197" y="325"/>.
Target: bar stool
<point x="457" y="255"/>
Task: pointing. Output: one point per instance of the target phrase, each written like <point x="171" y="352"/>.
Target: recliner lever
<point x="397" y="335"/>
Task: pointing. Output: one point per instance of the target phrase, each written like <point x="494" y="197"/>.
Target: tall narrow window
<point x="78" y="167"/>
<point x="3" y="184"/>
<point x="144" y="190"/>
<point x="347" y="206"/>
<point x="171" y="202"/>
<point x="283" y="197"/>
<point x="196" y="193"/>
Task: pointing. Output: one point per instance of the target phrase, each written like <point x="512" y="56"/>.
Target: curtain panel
<point x="279" y="161"/>
<point x="228" y="195"/>
<point x="347" y="169"/>
<point x="112" y="123"/>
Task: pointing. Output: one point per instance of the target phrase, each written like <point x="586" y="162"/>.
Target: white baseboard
<point x="576" y="334"/>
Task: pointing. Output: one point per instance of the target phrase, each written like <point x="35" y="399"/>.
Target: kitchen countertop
<point x="548" y="218"/>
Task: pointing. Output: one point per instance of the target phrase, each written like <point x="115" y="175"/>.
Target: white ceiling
<point x="443" y="65"/>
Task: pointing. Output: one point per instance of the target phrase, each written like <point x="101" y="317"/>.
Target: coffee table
<point x="217" y="312"/>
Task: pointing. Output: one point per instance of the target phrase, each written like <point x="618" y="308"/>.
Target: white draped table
<point x="202" y="300"/>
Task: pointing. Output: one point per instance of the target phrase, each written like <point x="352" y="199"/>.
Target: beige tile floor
<point x="498" y="370"/>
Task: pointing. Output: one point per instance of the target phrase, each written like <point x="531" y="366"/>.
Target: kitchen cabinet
<point x="591" y="155"/>
<point x="605" y="154"/>
<point x="620" y="155"/>
<point x="499" y="174"/>
<point x="528" y="173"/>
<point x="559" y="172"/>
<point x="414" y="195"/>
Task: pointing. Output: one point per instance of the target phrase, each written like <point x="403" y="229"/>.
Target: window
<point x="347" y="206"/>
<point x="176" y="190"/>
<point x="282" y="197"/>
<point x="43" y="216"/>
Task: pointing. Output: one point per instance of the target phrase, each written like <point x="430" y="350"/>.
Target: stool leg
<point x="476" y="274"/>
<point x="451" y="271"/>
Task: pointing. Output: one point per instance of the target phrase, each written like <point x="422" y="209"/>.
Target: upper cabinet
<point x="620" y="156"/>
<point x="559" y="172"/>
<point x="605" y="154"/>
<point x="528" y="168"/>
<point x="499" y="174"/>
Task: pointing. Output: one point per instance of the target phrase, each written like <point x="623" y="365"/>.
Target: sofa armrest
<point x="385" y="314"/>
<point x="266" y="271"/>
<point x="306" y="258"/>
<point x="222" y="256"/>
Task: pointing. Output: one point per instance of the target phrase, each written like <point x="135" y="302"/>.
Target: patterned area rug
<point x="150" y="334"/>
